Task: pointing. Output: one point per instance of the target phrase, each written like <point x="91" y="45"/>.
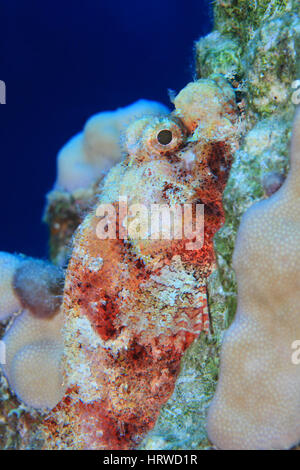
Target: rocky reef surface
<point x="253" y="48"/>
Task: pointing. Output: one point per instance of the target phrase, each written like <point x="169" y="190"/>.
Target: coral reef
<point x="33" y="355"/>
<point x="255" y="45"/>
<point x="63" y="214"/>
<point x="32" y="295"/>
<point x="136" y="305"/>
<point x="9" y="301"/>
<point x="134" y="302"/>
<point x="256" y="405"/>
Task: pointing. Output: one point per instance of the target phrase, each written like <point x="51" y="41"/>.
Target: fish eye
<point x="164" y="137"/>
<point x="155" y="136"/>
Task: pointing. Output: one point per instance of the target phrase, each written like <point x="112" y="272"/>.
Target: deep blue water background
<point x="63" y="61"/>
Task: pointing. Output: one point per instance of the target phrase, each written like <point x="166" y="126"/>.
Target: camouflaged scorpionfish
<point x="133" y="304"/>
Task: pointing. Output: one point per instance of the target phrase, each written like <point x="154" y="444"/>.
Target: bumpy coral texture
<point x="134" y="305"/>
<point x="33" y="341"/>
<point x="88" y="154"/>
<point x="33" y="356"/>
<point x="9" y="301"/>
<point x="257" y="405"/>
<point x="38" y="285"/>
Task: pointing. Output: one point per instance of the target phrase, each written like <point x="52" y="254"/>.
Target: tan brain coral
<point x="257" y="402"/>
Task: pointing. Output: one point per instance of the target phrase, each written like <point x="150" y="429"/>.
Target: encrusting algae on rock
<point x="133" y="304"/>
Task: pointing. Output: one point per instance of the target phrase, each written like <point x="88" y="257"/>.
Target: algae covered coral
<point x="267" y="36"/>
<point x="133" y="306"/>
